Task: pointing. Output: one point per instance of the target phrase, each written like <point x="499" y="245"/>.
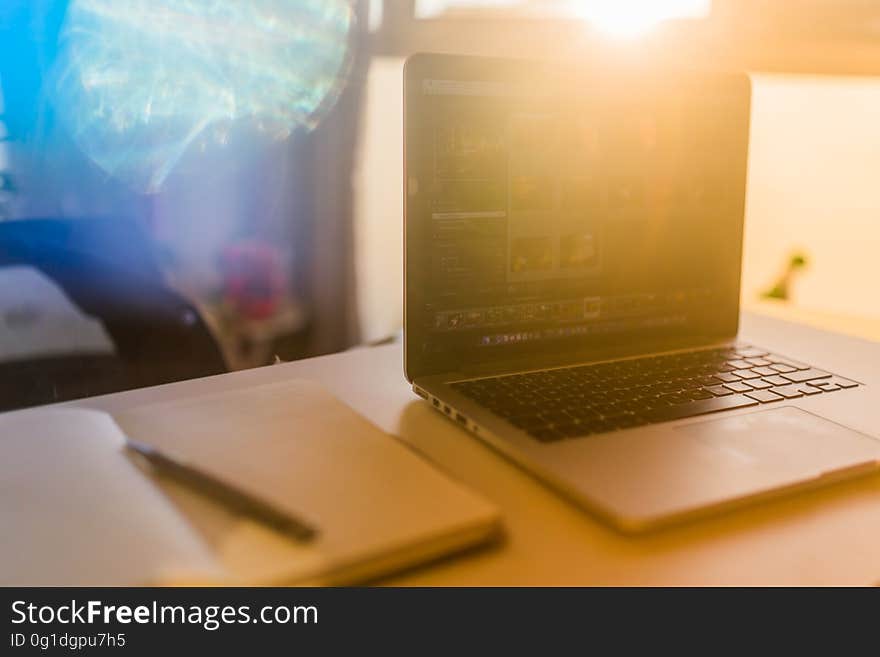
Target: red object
<point x="253" y="278"/>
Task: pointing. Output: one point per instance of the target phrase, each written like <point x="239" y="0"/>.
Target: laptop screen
<point x="551" y="213"/>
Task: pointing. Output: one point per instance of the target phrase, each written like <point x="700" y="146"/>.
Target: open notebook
<point x="76" y="510"/>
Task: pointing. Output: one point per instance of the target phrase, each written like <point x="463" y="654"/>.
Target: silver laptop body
<point x="572" y="252"/>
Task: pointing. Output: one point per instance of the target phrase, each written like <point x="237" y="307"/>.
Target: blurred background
<point x="190" y="187"/>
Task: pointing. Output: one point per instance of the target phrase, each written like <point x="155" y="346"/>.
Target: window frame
<point x="787" y="40"/>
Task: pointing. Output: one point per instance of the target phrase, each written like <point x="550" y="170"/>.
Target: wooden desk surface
<point x="829" y="536"/>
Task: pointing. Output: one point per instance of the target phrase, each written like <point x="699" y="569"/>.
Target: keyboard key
<point x="738" y="386"/>
<point x="720" y="391"/>
<point x="807" y="389"/>
<point x="546" y="435"/>
<point x="776" y="380"/>
<point x="783" y="367"/>
<point x="787" y="361"/>
<point x="805" y="375"/>
<point x="746" y="374"/>
<point x="529" y="422"/>
<point x="583" y="414"/>
<point x="825" y="386"/>
<point x="699" y="408"/>
<point x="789" y="392"/>
<point x="765" y="371"/>
<point x="632" y="405"/>
<point x="606" y="409"/>
<point x="739" y="364"/>
<point x="844" y="383"/>
<point x="750" y="352"/>
<point x="727" y="377"/>
<point x="628" y="421"/>
<point x="758" y="362"/>
<point x="759" y="384"/>
<point x="675" y="398"/>
<point x="573" y="430"/>
<point x="601" y="426"/>
<point x="654" y="402"/>
<point x="553" y="417"/>
<point x="763" y="396"/>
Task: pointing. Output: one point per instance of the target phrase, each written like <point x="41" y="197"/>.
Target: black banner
<point x="327" y="621"/>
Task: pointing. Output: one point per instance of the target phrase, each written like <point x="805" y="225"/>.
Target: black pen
<point x="224" y="493"/>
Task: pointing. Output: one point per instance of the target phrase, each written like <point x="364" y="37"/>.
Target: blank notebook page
<point x="75" y="511"/>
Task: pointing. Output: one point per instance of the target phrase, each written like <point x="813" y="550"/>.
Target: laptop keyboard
<point x="552" y="405"/>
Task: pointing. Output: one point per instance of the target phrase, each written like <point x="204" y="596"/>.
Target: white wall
<point x="814" y="184"/>
<point x="378" y="184"/>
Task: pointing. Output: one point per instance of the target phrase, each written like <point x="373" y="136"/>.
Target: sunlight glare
<point x="632" y="18"/>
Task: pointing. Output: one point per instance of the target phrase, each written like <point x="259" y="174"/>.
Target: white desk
<point x="830" y="536"/>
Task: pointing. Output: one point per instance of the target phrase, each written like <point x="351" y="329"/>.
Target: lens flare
<point x="632" y="18"/>
<point x="139" y="82"/>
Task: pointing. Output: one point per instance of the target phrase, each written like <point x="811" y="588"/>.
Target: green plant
<point x="782" y="288"/>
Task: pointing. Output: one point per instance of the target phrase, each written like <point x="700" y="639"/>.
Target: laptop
<point x="573" y="244"/>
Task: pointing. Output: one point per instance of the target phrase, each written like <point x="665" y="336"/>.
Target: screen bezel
<point x="423" y="66"/>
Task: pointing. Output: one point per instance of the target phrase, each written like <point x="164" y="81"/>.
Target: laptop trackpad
<point x="785" y="439"/>
<point x="646" y="478"/>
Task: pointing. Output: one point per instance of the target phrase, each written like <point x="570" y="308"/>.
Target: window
<point x="803" y="36"/>
<point x="623" y="17"/>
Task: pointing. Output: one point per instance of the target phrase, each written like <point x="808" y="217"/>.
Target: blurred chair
<point x="106" y="268"/>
